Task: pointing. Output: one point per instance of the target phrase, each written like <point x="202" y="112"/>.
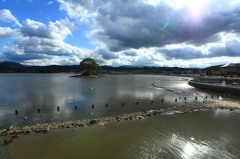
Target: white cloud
<point x="44" y="42"/>
<point x="139" y="32"/>
<point x="54" y="30"/>
<point x="81" y="10"/>
<point x="6" y="16"/>
<point x="7" y="32"/>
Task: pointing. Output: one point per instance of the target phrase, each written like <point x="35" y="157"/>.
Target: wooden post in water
<point x="136" y="103"/>
<point x="152" y="102"/>
<point x="75" y="107"/>
<point x="162" y="100"/>
<point x="58" y="108"/>
<point x="176" y="100"/>
<point x="122" y="104"/>
<point x="106" y="105"/>
<point x="16" y="112"/>
<point x="185" y="98"/>
<point x="38" y="110"/>
<point x="93" y="106"/>
<point x="196" y="98"/>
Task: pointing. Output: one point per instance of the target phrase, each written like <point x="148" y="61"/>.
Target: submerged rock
<point x="139" y="117"/>
<point x="184" y="108"/>
<point x="91" y="122"/>
<point x="7" y="141"/>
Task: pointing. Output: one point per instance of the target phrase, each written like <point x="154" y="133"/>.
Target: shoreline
<point x="90" y="76"/>
<point x="207" y="105"/>
<point x="216" y="88"/>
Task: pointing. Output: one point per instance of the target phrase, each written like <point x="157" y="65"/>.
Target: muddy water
<point x="196" y="135"/>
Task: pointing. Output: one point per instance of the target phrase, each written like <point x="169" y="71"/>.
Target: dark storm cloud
<point x="230" y="48"/>
<point x="107" y="55"/>
<point x="130" y="53"/>
<point x="11" y="56"/>
<point x="134" y="24"/>
<point x="181" y="53"/>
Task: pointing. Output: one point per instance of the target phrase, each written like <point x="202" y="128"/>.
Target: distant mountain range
<point x="229" y="69"/>
<point x="13" y="67"/>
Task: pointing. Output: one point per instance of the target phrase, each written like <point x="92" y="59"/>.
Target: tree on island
<point x="89" y="67"/>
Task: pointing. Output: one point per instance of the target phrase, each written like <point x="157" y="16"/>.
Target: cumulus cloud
<point x="54" y="30"/>
<point x="78" y="9"/>
<point x="134" y="24"/>
<point x="43" y="42"/>
<point x="139" y="32"/>
<point x="7" y="32"/>
<point x="183" y="52"/>
<point x="169" y="29"/>
<point x="105" y="54"/>
<point x="130" y="53"/>
<point x="6" y="16"/>
<point x="228" y="48"/>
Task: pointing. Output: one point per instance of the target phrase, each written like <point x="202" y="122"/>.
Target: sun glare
<point x="196" y="7"/>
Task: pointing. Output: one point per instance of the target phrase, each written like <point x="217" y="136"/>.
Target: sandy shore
<point x="206" y="105"/>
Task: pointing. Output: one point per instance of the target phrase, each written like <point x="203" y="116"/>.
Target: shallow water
<point x="28" y="92"/>
<point x="196" y="135"/>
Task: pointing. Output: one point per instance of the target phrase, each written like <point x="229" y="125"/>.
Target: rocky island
<point x="89" y="68"/>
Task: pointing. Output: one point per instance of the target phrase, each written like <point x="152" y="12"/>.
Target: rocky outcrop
<point x="181" y="109"/>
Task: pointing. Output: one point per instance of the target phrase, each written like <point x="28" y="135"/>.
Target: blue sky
<point x="171" y="33"/>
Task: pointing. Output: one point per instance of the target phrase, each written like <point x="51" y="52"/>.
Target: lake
<point x="29" y="92"/>
<point x="212" y="134"/>
<point x="208" y="135"/>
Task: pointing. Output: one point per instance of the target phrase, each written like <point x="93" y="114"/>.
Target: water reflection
<point x="188" y="148"/>
<point x="28" y="92"/>
<point x="195" y="135"/>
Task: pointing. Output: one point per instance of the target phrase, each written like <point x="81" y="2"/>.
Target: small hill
<point x="11" y="65"/>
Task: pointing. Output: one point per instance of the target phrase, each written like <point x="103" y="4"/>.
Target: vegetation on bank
<point x="12" y="67"/>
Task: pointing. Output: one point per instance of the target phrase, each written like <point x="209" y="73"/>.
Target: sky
<point x="171" y="33"/>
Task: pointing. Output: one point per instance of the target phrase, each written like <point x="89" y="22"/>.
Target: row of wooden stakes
<point x="93" y="106"/>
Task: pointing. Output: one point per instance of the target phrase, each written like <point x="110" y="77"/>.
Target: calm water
<point x="198" y="135"/>
<point x="28" y="92"/>
<point x="212" y="135"/>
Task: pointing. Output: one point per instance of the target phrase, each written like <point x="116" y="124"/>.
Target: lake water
<point x="198" y="135"/>
<point x="208" y="135"/>
<point x="29" y="92"/>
